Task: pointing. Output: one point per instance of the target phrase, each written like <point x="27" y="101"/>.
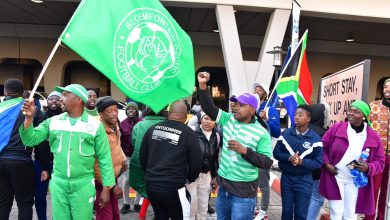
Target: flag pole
<point x="276" y="84"/>
<point x="284" y="70"/>
<point x="44" y="68"/>
<point x="52" y="54"/>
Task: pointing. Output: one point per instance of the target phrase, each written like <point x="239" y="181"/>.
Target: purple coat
<point x="126" y="127"/>
<point x="335" y="143"/>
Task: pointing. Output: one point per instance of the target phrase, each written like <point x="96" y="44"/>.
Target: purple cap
<point x="247" y="99"/>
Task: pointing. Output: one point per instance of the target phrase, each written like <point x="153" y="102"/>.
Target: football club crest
<point x="146" y="50"/>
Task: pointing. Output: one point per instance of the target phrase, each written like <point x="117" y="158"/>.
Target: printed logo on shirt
<point x="162" y="133"/>
<point x="247" y="139"/>
<point x="306" y="145"/>
<point x="164" y="128"/>
<point x="89" y="127"/>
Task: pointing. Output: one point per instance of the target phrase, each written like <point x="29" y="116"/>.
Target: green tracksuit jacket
<point x="75" y="148"/>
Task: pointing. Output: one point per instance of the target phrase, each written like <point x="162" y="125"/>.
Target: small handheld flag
<point x="9" y="112"/>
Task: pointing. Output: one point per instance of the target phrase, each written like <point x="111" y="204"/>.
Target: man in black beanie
<point x="107" y="108"/>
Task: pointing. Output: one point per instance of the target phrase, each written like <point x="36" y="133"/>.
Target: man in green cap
<point x="75" y="138"/>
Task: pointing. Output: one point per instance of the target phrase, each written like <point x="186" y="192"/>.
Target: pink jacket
<point x="335" y="143"/>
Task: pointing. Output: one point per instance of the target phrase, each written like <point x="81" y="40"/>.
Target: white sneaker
<point x="262" y="215"/>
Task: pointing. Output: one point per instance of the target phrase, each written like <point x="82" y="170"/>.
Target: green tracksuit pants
<point x="72" y="199"/>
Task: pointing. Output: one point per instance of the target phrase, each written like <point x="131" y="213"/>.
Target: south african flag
<point x="295" y="87"/>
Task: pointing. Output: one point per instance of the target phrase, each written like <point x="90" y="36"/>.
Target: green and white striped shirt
<point x="232" y="165"/>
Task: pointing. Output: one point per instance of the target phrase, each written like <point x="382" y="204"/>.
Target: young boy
<point x="299" y="152"/>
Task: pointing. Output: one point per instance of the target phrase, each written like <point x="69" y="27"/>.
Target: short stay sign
<point x="340" y="89"/>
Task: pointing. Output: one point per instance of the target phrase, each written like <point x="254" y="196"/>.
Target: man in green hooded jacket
<point x="137" y="181"/>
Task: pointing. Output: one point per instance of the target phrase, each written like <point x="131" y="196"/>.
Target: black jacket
<point x="170" y="155"/>
<point x="15" y="150"/>
<point x="317" y="123"/>
<point x="42" y="151"/>
<point x="210" y="150"/>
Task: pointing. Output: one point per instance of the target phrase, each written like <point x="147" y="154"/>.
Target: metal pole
<point x="44" y="69"/>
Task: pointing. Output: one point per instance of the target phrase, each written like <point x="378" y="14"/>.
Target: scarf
<point x="364" y="108"/>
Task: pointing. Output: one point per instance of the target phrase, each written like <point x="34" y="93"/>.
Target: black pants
<point x="16" y="180"/>
<point x="174" y="204"/>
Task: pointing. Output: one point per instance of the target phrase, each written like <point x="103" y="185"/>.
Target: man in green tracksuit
<point x="75" y="138"/>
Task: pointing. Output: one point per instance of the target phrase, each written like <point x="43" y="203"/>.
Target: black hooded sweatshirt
<point x="317" y="125"/>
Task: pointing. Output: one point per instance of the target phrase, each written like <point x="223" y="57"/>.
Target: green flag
<point x="137" y="45"/>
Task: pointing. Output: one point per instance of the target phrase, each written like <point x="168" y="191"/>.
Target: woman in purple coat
<point x="343" y="143"/>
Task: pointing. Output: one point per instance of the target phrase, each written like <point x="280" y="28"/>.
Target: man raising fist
<point x="246" y="147"/>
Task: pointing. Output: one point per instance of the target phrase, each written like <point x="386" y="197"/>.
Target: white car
<point x="122" y="112"/>
<point x="42" y="99"/>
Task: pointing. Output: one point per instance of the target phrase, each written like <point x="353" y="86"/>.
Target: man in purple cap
<point x="246" y="147"/>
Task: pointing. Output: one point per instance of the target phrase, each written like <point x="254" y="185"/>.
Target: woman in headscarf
<point x="343" y="143"/>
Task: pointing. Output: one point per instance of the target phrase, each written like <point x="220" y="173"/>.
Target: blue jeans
<point x="40" y="191"/>
<point x="230" y="206"/>
<point x="316" y="201"/>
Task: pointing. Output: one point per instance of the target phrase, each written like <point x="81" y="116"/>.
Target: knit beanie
<point x="54" y="93"/>
<point x="104" y="102"/>
<point x="132" y="104"/>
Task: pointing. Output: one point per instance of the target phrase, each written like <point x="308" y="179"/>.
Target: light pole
<point x="277" y="52"/>
<point x="277" y="62"/>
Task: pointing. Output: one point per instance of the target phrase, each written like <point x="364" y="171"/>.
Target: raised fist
<point x="203" y="77"/>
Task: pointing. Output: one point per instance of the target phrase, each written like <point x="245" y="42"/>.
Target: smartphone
<point x="351" y="165"/>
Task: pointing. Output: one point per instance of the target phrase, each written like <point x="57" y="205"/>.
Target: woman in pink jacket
<point x="343" y="143"/>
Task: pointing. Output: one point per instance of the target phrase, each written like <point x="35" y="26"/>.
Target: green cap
<point x="363" y="107"/>
<point x="76" y="89"/>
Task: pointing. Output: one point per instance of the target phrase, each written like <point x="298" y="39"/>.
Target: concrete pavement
<point x="274" y="211"/>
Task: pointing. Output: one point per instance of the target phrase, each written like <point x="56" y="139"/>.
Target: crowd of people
<point x="88" y="159"/>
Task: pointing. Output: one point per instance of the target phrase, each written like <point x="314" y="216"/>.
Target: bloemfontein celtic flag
<point x="137" y="45"/>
